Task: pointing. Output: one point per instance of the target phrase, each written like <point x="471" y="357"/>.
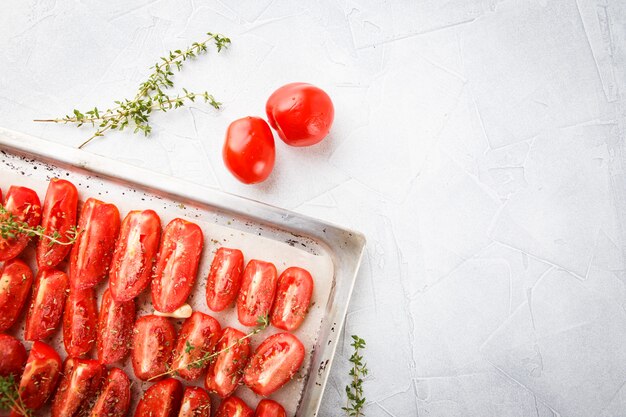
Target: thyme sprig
<point x="354" y="390"/>
<point x="151" y="95"/>
<point x="11" y="228"/>
<point x="207" y="357"/>
<point x="10" y="398"/>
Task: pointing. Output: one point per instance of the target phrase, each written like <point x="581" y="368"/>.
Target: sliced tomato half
<point x="225" y="371"/>
<point x="115" y="328"/>
<point x="16" y="278"/>
<point x="224" y="278"/>
<point x="79" y="387"/>
<point x="197" y="337"/>
<point x="114" y="398"/>
<point x="48" y="302"/>
<point x="269" y="408"/>
<point x="153" y="341"/>
<point x="196" y="403"/>
<point x="293" y="296"/>
<point x="12" y="356"/>
<point x="161" y="399"/>
<point x="234" y="407"/>
<point x="40" y="376"/>
<point x="80" y="321"/>
<point x="24" y="206"/>
<point x="256" y="295"/>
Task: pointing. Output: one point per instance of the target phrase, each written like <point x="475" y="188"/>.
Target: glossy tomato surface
<point x="293" y="296"/>
<point x="80" y="321"/>
<point x="12" y="356"/>
<point x="256" y="295"/>
<point x="196" y="403"/>
<point x="115" y="328"/>
<point x="48" y="302"/>
<point x="225" y="372"/>
<point x="40" y="376"/>
<point x="79" y="387"/>
<point x="234" y="407"/>
<point x="114" y="398"/>
<point x="224" y="278"/>
<point x="249" y="150"/>
<point x="269" y="408"/>
<point x="274" y="363"/>
<point x="177" y="265"/>
<point x="58" y="217"/>
<point x="24" y="206"/>
<point x="153" y="341"/>
<point x="198" y="335"/>
<point x="301" y="113"/>
<point x="90" y="260"/>
<point x="16" y="278"/>
<point x="135" y="252"/>
<point x="161" y="399"/>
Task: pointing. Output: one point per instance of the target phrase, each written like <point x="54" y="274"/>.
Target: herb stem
<point x="354" y="390"/>
<point x="10" y="398"/>
<point x="10" y="228"/>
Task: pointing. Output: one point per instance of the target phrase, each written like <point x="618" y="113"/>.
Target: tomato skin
<point x="131" y="267"/>
<point x="58" y="216"/>
<point x="161" y="399"/>
<point x="234" y="407"/>
<point x="40" y="376"/>
<point x="46" y="307"/>
<point x="273" y="364"/>
<point x="196" y="403"/>
<point x="81" y="381"/>
<point x="153" y="341"/>
<point x="80" y="321"/>
<point x="293" y="296"/>
<point x="90" y="260"/>
<point x="249" y="151"/>
<point x="202" y="332"/>
<point x="301" y="113"/>
<point x="114" y="398"/>
<point x="12" y="356"/>
<point x="256" y="295"/>
<point x="225" y="372"/>
<point x="16" y="278"/>
<point x="25" y="206"/>
<point x="115" y="328"/>
<point x="224" y="278"/>
<point x="269" y="408"/>
<point x="177" y="265"/>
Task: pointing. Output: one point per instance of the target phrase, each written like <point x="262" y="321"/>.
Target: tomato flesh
<point x="80" y="321"/>
<point x="12" y="355"/>
<point x="115" y="328"/>
<point x="269" y="408"/>
<point x="224" y="278"/>
<point x="153" y="341"/>
<point x="161" y="399"/>
<point x="196" y="403"/>
<point x="225" y="372"/>
<point x="47" y="304"/>
<point x="79" y="386"/>
<point x="293" y="296"/>
<point x="23" y="203"/>
<point x="16" y="278"/>
<point x="198" y="335"/>
<point x="234" y="407"/>
<point x="256" y="295"/>
<point x="40" y="376"/>
<point x="114" y="399"/>
<point x="249" y="151"/>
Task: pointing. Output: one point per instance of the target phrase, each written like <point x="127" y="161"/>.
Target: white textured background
<point x="477" y="143"/>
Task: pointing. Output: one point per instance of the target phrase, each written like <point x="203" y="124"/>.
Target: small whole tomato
<point x="234" y="407"/>
<point x="12" y="355"/>
<point x="16" y="278"/>
<point x="196" y="403"/>
<point x="269" y="408"/>
<point x="249" y="150"/>
<point x="79" y="386"/>
<point x="225" y="371"/>
<point x="79" y="322"/>
<point x="301" y="113"/>
<point x="114" y="398"/>
<point x="153" y="341"/>
<point x="198" y="336"/>
<point x="224" y="278"/>
<point x="40" y="376"/>
<point x="293" y="296"/>
<point x="161" y="400"/>
<point x="115" y="328"/>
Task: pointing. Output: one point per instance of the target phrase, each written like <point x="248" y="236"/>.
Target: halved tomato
<point x="24" y="206"/>
<point x="257" y="292"/>
<point x="198" y="336"/>
<point x="273" y="364"/>
<point x="47" y="304"/>
<point x="161" y="400"/>
<point x="177" y="265"/>
<point x="234" y="407"/>
<point x="153" y="341"/>
<point x="269" y="408"/>
<point x="224" y="278"/>
<point x="40" y="376"/>
<point x="196" y="403"/>
<point x="12" y="356"/>
<point x="58" y="217"/>
<point x="134" y="255"/>
<point x="99" y="225"/>
<point x="16" y="278"/>
<point x="225" y="372"/>
<point x="293" y="296"/>
<point x="80" y="321"/>
<point x="114" y="399"/>
<point x="81" y="381"/>
<point x="115" y="328"/>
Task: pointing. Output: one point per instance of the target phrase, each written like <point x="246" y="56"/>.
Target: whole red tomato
<point x="301" y="113"/>
<point x="249" y="150"/>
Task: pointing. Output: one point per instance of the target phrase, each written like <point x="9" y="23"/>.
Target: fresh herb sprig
<point x="354" y="390"/>
<point x="10" y="399"/>
<point x="151" y="95"/>
<point x="11" y="228"/>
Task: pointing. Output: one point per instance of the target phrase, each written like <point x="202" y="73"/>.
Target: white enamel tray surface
<point x="330" y="253"/>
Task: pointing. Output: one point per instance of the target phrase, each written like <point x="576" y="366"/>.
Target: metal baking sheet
<point x="332" y="254"/>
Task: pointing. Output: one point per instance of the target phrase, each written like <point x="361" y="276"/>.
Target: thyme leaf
<point x="354" y="390"/>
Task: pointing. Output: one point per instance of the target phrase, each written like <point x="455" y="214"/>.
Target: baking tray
<point x="331" y="253"/>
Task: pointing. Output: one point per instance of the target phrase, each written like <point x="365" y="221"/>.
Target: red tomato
<point x="153" y="340"/>
<point x="24" y="206"/>
<point x="293" y="296"/>
<point x="16" y="278"/>
<point x="177" y="265"/>
<point x="80" y="321"/>
<point x="99" y="225"/>
<point x="161" y="400"/>
<point x="40" y="376"/>
<point x="47" y="304"/>
<point x="114" y="399"/>
<point x="257" y="292"/>
<point x="301" y="113"/>
<point x="224" y="278"/>
<point x="79" y="386"/>
<point x="269" y="408"/>
<point x="12" y="356"/>
<point x="234" y="407"/>
<point x="115" y="328"/>
<point x="134" y="254"/>
<point x="58" y="217"/>
<point x="226" y="370"/>
<point x="273" y="364"/>
<point x="196" y="403"/>
<point x="199" y="335"/>
<point x="249" y="150"/>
